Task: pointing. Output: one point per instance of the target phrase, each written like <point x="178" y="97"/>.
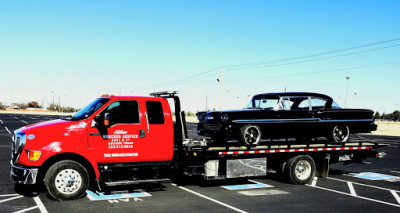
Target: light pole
<point x="355" y="100"/>
<point x="221" y="87"/>
<point x="347" y="87"/>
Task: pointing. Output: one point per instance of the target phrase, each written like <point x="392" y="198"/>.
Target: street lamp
<point x="221" y="86"/>
<point x="347" y="87"/>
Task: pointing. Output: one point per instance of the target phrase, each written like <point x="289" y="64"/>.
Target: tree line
<point x="394" y="116"/>
<point x="35" y="105"/>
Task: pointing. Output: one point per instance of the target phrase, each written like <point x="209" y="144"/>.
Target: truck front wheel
<point x="67" y="180"/>
<point x="300" y="169"/>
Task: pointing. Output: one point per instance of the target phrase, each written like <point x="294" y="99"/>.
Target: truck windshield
<point x="89" y="109"/>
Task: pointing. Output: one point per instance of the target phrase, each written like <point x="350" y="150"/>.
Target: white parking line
<point x="210" y="199"/>
<point x="24" y="121"/>
<point x="395" y="195"/>
<point x="364" y="198"/>
<point x="16" y="118"/>
<point x="7" y="130"/>
<point x="1" y="122"/>
<point x="11" y="198"/>
<point x="8" y="195"/>
<point x="361" y="184"/>
<point x="351" y="187"/>
<point x="27" y="209"/>
<point x="40" y="204"/>
<point x="314" y="182"/>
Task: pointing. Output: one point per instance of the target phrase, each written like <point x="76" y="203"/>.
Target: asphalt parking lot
<point x="354" y="187"/>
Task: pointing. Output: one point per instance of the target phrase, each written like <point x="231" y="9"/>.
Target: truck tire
<point x="250" y="135"/>
<point x="340" y="134"/>
<point x="300" y="169"/>
<point x="67" y="180"/>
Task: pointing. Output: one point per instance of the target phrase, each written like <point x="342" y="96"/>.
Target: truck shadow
<point x="29" y="190"/>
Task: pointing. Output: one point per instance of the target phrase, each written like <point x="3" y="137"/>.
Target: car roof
<point x="296" y="94"/>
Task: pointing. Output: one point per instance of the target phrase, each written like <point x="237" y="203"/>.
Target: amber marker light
<point x="34" y="155"/>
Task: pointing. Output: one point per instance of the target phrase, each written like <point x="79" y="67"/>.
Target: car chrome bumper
<point x="23" y="175"/>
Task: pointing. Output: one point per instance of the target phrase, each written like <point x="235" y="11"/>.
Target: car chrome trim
<point x="298" y="120"/>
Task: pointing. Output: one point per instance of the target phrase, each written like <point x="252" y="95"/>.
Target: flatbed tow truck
<point x="92" y="150"/>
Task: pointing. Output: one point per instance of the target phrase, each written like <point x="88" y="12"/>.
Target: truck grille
<point x="18" y="144"/>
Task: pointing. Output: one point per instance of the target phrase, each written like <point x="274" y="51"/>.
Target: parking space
<point x="353" y="187"/>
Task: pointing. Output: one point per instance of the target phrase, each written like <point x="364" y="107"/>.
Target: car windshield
<point x="89" y="109"/>
<point x="263" y="102"/>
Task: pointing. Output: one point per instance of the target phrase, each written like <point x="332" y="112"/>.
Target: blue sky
<point x="78" y="50"/>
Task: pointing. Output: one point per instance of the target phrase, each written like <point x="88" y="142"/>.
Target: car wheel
<point x="67" y="180"/>
<point x="300" y="169"/>
<point x="340" y="133"/>
<point x="250" y="135"/>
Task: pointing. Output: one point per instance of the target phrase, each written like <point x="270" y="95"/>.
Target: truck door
<point x="120" y="140"/>
<point x="160" y="130"/>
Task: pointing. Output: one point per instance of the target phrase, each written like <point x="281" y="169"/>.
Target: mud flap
<point x="322" y="167"/>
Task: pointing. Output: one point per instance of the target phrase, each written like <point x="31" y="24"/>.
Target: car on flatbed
<point x="297" y="115"/>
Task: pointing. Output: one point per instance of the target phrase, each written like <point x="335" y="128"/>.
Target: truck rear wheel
<point x="250" y="135"/>
<point x="300" y="169"/>
<point x="67" y="180"/>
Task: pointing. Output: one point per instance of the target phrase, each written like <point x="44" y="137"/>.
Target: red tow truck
<point x="121" y="140"/>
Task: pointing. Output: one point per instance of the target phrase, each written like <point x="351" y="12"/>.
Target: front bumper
<point x="23" y="175"/>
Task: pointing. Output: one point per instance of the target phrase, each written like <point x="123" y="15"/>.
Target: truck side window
<point x="125" y="112"/>
<point x="155" y="112"/>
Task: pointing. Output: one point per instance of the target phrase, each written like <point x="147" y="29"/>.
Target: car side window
<point x="123" y="112"/>
<point x="317" y="103"/>
<point x="287" y="103"/>
<point x="304" y="104"/>
<point x="155" y="112"/>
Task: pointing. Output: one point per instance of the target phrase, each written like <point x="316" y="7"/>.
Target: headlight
<point x="224" y="117"/>
<point x="33" y="155"/>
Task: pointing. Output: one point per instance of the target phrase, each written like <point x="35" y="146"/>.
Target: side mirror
<point x="107" y="119"/>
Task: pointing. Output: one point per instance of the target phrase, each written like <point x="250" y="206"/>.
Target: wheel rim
<point x="68" y="181"/>
<point x="251" y="135"/>
<point x="303" y="170"/>
<point x="340" y="133"/>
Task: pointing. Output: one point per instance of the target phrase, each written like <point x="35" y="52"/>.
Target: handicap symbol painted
<point x="101" y="196"/>
<point x="247" y="186"/>
<point x="375" y="176"/>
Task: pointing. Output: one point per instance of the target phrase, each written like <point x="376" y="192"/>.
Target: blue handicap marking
<point x="247" y="186"/>
<point x="101" y="196"/>
<point x="375" y="176"/>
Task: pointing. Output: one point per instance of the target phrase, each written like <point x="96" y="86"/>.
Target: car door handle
<point x="142" y="133"/>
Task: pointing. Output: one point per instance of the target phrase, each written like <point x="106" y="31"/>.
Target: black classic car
<point x="285" y="115"/>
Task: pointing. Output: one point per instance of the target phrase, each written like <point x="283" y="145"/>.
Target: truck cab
<point x="112" y="135"/>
